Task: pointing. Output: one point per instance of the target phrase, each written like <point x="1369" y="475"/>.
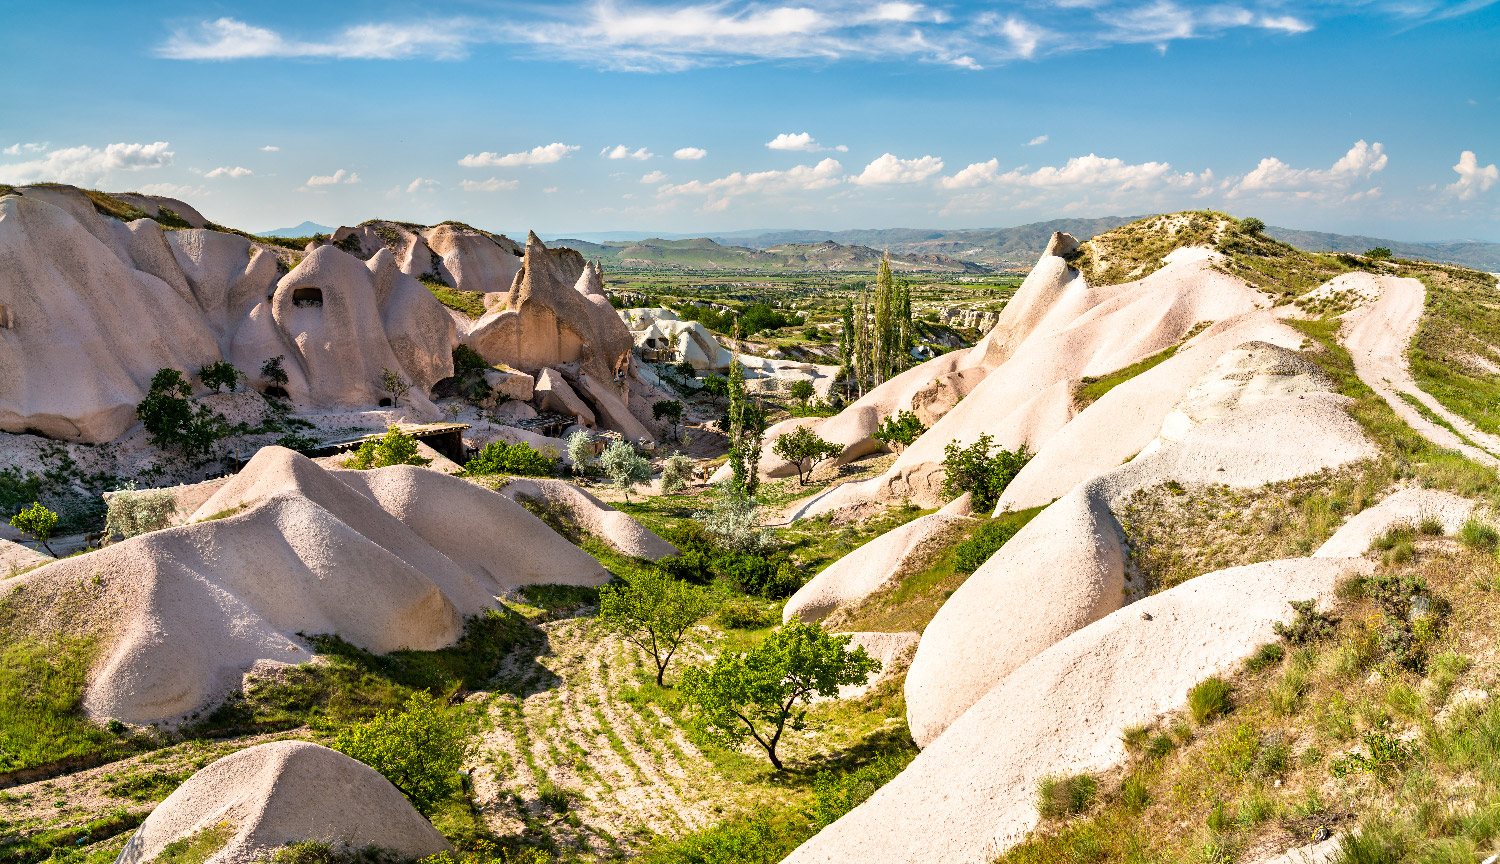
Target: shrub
<point x="1386" y="755"/>
<point x="274" y="372"/>
<point x="1252" y="225"/>
<point x="38" y="522"/>
<point x="975" y="470"/>
<point x="498" y="457"/>
<point x="971" y="554"/>
<point x="580" y="450"/>
<point x="1379" y="253"/>
<point x="899" y="430"/>
<point x="837" y="794"/>
<point x="744" y="614"/>
<point x="393" y="383"/>
<point x="393" y="448"/>
<point x="132" y="513"/>
<point x="1476" y="534"/>
<point x="466" y="361"/>
<point x="624" y="467"/>
<point x="801" y="390"/>
<point x="804" y="449"/>
<point x="734" y="522"/>
<point x="1309" y="625"/>
<point x="1059" y="797"/>
<point x="676" y="470"/>
<point x="418" y="748"/>
<point x="1209" y="700"/>
<point x="1265" y="656"/>
<point x="669" y="410"/>
<point x="220" y="373"/>
<point x="171" y="420"/>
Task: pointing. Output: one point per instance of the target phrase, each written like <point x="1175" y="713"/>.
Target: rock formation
<point x="273" y="795"/>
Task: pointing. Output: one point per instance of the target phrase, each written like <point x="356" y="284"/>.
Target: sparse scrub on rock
<point x="393" y="448"/>
<point x="1209" y="700"/>
<point x="133" y="512"/>
<point x="1059" y="797"/>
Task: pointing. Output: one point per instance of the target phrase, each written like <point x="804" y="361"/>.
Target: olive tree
<point x="624" y="467"/>
<point x="757" y="694"/>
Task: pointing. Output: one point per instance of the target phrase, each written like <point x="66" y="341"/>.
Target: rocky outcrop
<point x="272" y="795"/>
<point x="982" y="320"/>
<point x="660" y="329"/>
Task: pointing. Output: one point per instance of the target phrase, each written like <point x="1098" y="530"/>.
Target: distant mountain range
<point x="1466" y="253"/>
<point x="306" y="229"/>
<point x="705" y="253"/>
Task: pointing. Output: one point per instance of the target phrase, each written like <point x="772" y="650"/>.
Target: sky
<point x="1379" y="117"/>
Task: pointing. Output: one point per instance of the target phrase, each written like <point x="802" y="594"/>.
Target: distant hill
<point x="706" y="254"/>
<point x="1466" y="253"/>
<point x="306" y="229"/>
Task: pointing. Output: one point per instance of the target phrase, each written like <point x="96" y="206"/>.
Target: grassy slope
<point x="1459" y="324"/>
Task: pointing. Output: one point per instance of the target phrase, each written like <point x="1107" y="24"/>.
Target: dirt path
<point x="1377" y="336"/>
<point x="626" y="771"/>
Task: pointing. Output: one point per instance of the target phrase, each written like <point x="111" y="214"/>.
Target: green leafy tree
<point x="976" y="470"/>
<point x="220" y="373"/>
<point x="580" y="450"/>
<point x="418" y="748"/>
<point x="38" y="522"/>
<point x="499" y="457"/>
<point x="1252" y="225"/>
<point x="669" y="410"/>
<point x="133" y="512"/>
<point x="654" y="612"/>
<point x="805" y="449"/>
<point x="675" y="472"/>
<point x="717" y="388"/>
<point x="171" y="420"/>
<point x="393" y="448"/>
<point x="899" y="430"/>
<point x="274" y="372"/>
<point x="1379" y="253"/>
<point x="394" y="384"/>
<point x="801" y="390"/>
<point x="758" y="693"/>
<point x="624" y="467"/>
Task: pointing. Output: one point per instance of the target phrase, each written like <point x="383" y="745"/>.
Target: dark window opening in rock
<point x="307" y="297"/>
<point x="384" y="403"/>
<point x="6" y="322"/>
<point x="277" y="392"/>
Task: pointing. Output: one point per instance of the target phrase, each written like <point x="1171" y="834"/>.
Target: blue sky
<point x="1369" y="116"/>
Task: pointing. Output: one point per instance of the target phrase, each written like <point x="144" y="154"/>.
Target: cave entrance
<point x="307" y="297"/>
<point x="6" y="321"/>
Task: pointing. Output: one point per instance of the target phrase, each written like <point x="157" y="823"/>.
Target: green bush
<point x="134" y="512"/>
<point x="804" y="449"/>
<point x="1477" y="534"/>
<point x="1308" y="625"/>
<point x="976" y="470"/>
<point x="220" y="373"/>
<point x="744" y="614"/>
<point x="498" y="457"/>
<point x="835" y="794"/>
<point x="1059" y="797"/>
<point x="38" y="522"/>
<point x="899" y="430"/>
<point x="1209" y="700"/>
<point x="419" y="749"/>
<point x="172" y="421"/>
<point x="1265" y="656"/>
<point x="393" y="448"/>
<point x="969" y="555"/>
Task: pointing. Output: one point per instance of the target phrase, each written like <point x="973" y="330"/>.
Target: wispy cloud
<point x="620" y="151"/>
<point x="690" y="153"/>
<point x="544" y="154"/>
<point x="1037" y="141"/>
<point x="87" y="164"/>
<point x="226" y="171"/>
<point x="670" y="36"/>
<point x="18" y="148"/>
<point x="270" y="148"/>
<point x="654" y="177"/>
<point x="336" y="178"/>
<point x="491" y="185"/>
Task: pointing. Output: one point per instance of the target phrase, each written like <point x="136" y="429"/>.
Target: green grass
<point x="1461" y="316"/>
<point x="470" y="303"/>
<point x="149" y="786"/>
<point x="71" y="844"/>
<point x="197" y="848"/>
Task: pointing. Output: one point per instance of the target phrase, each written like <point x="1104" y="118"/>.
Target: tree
<point x="624" y="467"/>
<point x="802" y="390"/>
<point x="37" y="521"/>
<point x="655" y="612"/>
<point x="670" y="410"/>
<point x="580" y="450"/>
<point x="220" y="373"/>
<point x="1252" y="225"/>
<point x="717" y="387"/>
<point x="734" y="521"/>
<point x="394" y="384"/>
<point x="675" y="471"/>
<point x="274" y="372"/>
<point x="171" y="420"/>
<point x="393" y="448"/>
<point x="975" y="470"/>
<point x="134" y="512"/>
<point x="757" y="693"/>
<point x="803" y="447"/>
<point x="899" y="430"/>
<point x="418" y="748"/>
<point x="1379" y="253"/>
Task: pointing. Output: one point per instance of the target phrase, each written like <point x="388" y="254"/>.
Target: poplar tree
<point x="882" y="346"/>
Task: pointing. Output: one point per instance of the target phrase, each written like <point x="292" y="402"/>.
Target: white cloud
<point x="232" y="39"/>
<point x="172" y="190"/>
<point x="1023" y="37"/>
<point x="1284" y="23"/>
<point x="1472" y="179"/>
<point x="270" y="148"/>
<point x="788" y="141"/>
<point x="888" y="169"/>
<point x="800" y="178"/>
<point x="1037" y="141"/>
<point x="226" y="171"/>
<point x="421" y="183"/>
<point x="18" y="148"/>
<point x="490" y="185"/>
<point x="1273" y="178"/>
<point x="620" y="151"/>
<point x="1080" y="172"/>
<point x="976" y="174"/>
<point x="337" y="177"/>
<point x="654" y="177"/>
<point x="88" y="164"/>
<point x="549" y="190"/>
<point x="691" y="153"/>
<point x="540" y="155"/>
